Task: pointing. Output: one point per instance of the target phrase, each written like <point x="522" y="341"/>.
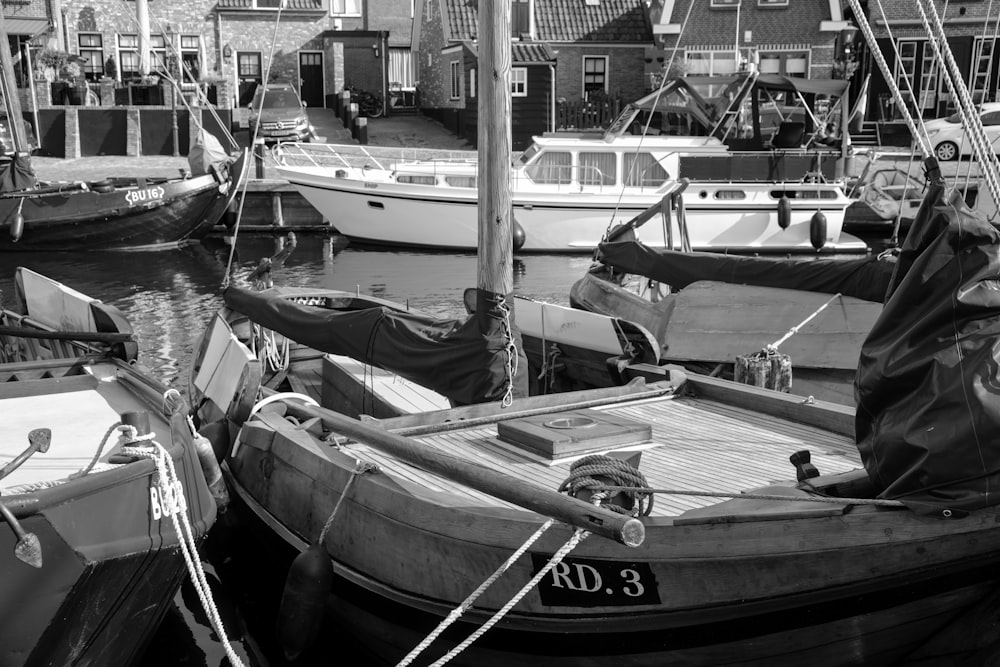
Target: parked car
<point x="7" y="141"/>
<point x="280" y="114"/>
<point x="949" y="139"/>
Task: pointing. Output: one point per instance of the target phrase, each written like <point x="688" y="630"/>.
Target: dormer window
<point x="520" y="18"/>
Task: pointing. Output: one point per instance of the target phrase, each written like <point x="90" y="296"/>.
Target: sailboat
<point x="682" y="519"/>
<point x="120" y="213"/>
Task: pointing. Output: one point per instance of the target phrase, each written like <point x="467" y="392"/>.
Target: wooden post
<point x="9" y="92"/>
<point x="763" y="369"/>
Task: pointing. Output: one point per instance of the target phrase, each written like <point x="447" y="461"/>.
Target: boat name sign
<point x="144" y="195"/>
<point x="585" y="582"/>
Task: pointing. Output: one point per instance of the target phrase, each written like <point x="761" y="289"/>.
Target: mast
<point x="495" y="253"/>
<point x="142" y="18"/>
<point x="8" y="89"/>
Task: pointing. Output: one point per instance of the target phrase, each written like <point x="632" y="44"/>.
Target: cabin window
<point x="128" y="56"/>
<point x="92" y="52"/>
<point x="595" y="80"/>
<point x="804" y="194"/>
<point x="461" y="181"/>
<point x="643" y="170"/>
<point x="416" y="179"/>
<point x="729" y="195"/>
<point x="345" y="7"/>
<point x="456" y="80"/>
<point x="597" y="169"/>
<point x="519" y="81"/>
<point x="551" y="167"/>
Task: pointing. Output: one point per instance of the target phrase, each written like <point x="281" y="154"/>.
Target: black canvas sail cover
<point x="466" y="361"/>
<point x="928" y="381"/>
<point x="864" y="278"/>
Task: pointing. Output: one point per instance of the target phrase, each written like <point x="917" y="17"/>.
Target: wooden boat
<point x="90" y="554"/>
<point x="567" y="189"/>
<point x="133" y="213"/>
<point x="750" y="553"/>
<point x="707" y="310"/>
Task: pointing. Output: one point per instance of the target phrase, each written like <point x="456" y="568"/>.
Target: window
<point x="520" y="18"/>
<point x="793" y="63"/>
<point x="594" y="75"/>
<point x="519" y="81"/>
<point x="725" y="3"/>
<point x="157" y="53"/>
<point x="267" y="4"/>
<point x="710" y="63"/>
<point x="643" y="170"/>
<point x="345" y="7"/>
<point x="772" y="3"/>
<point x="128" y="57"/>
<point x="92" y="52"/>
<point x="456" y="80"/>
<point x="551" y="167"/>
<point x="982" y="55"/>
<point x="190" y="58"/>
<point x="597" y="169"/>
<point x="472" y="83"/>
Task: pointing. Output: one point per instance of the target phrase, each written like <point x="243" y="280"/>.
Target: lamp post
<point x="171" y="66"/>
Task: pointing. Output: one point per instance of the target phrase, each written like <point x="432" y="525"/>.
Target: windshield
<point x="278" y="99"/>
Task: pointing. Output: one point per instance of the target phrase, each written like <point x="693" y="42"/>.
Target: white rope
<point x="511" y="349"/>
<point x="773" y="347"/>
<point x="468" y="602"/>
<point x="578" y="536"/>
<point x="175" y="504"/>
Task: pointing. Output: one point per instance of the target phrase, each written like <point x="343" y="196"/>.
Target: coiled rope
<point x="592" y="473"/>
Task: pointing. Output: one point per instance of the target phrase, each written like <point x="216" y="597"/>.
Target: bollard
<point x="338" y="105"/>
<point x="361" y="130"/>
<point x="344" y="99"/>
<point x="352" y="113"/>
<point x="258" y="157"/>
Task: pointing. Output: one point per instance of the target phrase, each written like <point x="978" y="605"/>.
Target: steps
<point x="868" y="136"/>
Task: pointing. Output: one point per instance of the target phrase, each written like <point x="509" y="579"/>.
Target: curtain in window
<point x="400" y="69"/>
<point x="551" y="168"/>
<point x="642" y="170"/>
<point x="597" y="169"/>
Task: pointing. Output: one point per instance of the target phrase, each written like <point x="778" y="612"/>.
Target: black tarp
<point x="16" y="174"/>
<point x="864" y="278"/>
<point x="464" y="360"/>
<point x="928" y="381"/>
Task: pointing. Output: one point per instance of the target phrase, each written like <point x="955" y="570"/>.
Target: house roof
<point x="564" y="20"/>
<point x="291" y="4"/>
<point x="523" y="53"/>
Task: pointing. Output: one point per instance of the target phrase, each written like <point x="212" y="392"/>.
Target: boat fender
<point x="213" y="473"/>
<point x="231" y="214"/>
<point x="217" y="433"/>
<point x="17" y="224"/>
<point x="784" y="212"/>
<point x="817" y="230"/>
<point x="105" y="185"/>
<point x="300" y="616"/>
<point x="518" y="234"/>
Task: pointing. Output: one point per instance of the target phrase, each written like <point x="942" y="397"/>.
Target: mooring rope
<point x="511" y="349"/>
<point x="360" y="468"/>
<point x="773" y="347"/>
<point x="468" y="602"/>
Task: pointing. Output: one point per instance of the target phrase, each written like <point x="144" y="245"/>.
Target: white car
<point x="948" y="137"/>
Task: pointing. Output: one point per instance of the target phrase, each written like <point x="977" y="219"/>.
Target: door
<point x="311" y="78"/>
<point x="250" y="75"/>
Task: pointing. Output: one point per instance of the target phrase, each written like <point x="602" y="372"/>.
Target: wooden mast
<point x="8" y="89"/>
<point x="496" y="252"/>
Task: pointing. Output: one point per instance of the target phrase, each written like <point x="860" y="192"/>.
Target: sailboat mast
<point x="495" y="252"/>
<point x="8" y="88"/>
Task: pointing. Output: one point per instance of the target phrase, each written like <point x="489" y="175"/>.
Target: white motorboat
<point x="567" y="190"/>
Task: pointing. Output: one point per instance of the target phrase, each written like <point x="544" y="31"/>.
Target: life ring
<point x="817" y="230"/>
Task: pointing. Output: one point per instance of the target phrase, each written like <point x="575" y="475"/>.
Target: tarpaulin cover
<point x="464" y="360"/>
<point x="864" y="278"/>
<point x="16" y="174"/>
<point x="206" y="151"/>
<point x="928" y="382"/>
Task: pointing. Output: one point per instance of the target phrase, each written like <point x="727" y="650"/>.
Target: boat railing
<point x="44" y="342"/>
<point x="295" y="154"/>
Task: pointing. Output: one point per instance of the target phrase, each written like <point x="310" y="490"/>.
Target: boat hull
<point x="405" y="559"/>
<point x="369" y="209"/>
<point x="135" y="217"/>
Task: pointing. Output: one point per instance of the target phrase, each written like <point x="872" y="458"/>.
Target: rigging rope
<point x="773" y="347"/>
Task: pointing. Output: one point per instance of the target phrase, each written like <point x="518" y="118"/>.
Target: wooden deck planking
<point x="702" y="448"/>
<point x="408" y="397"/>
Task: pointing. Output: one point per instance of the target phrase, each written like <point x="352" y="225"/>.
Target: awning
<point x="26" y="25"/>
